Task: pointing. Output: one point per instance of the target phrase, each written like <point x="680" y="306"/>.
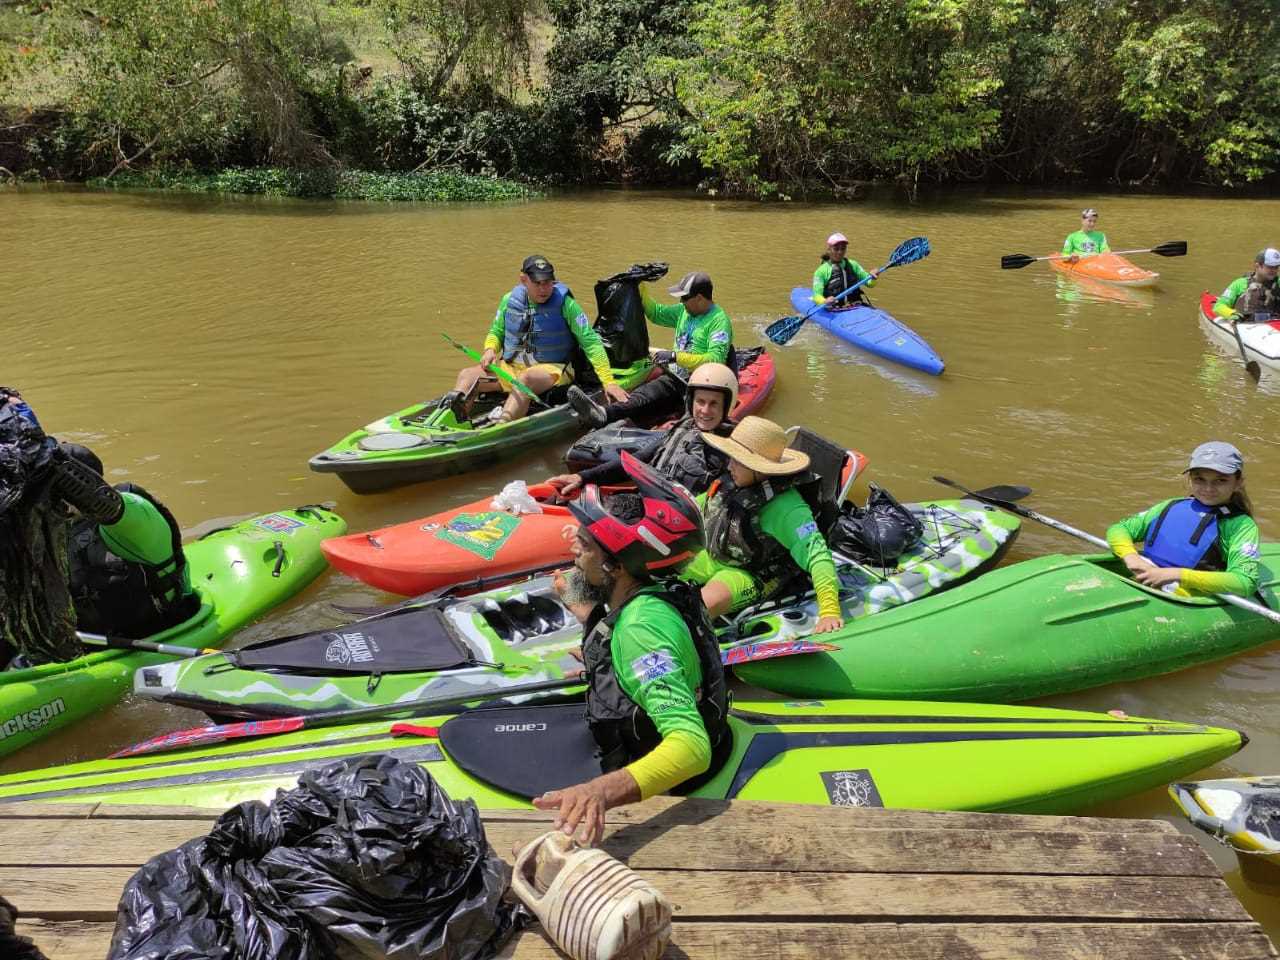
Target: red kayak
<point x="476" y="540"/>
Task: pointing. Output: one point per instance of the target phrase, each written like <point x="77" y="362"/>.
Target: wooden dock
<point x="755" y="880"/>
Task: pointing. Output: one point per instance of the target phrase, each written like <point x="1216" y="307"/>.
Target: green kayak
<point x="851" y="752"/>
<point x="424" y="442"/>
<point x="520" y="633"/>
<point x="240" y="572"/>
<point x="1044" y="626"/>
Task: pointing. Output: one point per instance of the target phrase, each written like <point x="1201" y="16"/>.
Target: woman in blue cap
<point x="1206" y="543"/>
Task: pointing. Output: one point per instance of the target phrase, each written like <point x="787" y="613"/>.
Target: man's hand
<point x="1074" y="258"/>
<point x="565" y="483"/>
<point x="580" y="809"/>
<point x="616" y="393"/>
<point x="663" y="357"/>
<point x="488" y="357"/>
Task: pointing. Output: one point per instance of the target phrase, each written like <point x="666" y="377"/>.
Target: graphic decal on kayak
<point x="278" y="523"/>
<point x="481" y="533"/>
<point x="851" y="788"/>
<point x="348" y="648"/>
<point x="30" y="720"/>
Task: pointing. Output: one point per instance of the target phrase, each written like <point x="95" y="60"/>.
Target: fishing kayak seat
<point x="828" y="462"/>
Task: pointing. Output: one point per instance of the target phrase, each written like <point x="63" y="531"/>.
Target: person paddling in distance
<point x="1086" y="241"/>
<point x="1203" y="544"/>
<point x="679" y="453"/>
<point x="534" y="333"/>
<point x="837" y="273"/>
<point x="760" y="528"/>
<point x="1256" y="295"/>
<point x="657" y="702"/>
<point x="704" y="334"/>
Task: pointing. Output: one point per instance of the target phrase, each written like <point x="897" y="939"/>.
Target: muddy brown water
<point x="207" y="347"/>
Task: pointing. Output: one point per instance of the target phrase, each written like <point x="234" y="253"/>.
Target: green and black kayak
<point x="240" y="572"/>
<point x="520" y="633"/>
<point x="426" y="441"/>
<point x="1044" y="626"/>
<point x="843" y="752"/>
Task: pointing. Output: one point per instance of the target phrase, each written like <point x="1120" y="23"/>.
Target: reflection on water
<point x="206" y="347"/>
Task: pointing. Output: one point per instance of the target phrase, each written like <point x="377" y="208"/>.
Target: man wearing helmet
<point x="679" y="453"/>
<point x="837" y="273"/>
<point x="656" y="697"/>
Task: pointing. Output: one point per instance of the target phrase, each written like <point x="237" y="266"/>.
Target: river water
<point x="207" y="347"/>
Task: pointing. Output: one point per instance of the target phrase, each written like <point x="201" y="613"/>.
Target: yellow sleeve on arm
<point x="1200" y="582"/>
<point x="676" y="759"/>
<point x="498" y="329"/>
<point x="1120" y="542"/>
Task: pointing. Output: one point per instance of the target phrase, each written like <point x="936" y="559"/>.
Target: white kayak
<point x="1261" y="340"/>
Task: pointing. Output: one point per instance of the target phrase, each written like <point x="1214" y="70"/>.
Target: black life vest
<point x="1261" y="296"/>
<point x="127" y="598"/>
<point x="842" y="278"/>
<point x="622" y="730"/>
<point x="689" y="460"/>
<point x="732" y="523"/>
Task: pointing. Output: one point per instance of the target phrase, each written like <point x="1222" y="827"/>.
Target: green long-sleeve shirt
<point x="1085" y="243"/>
<point x="706" y="338"/>
<point x="577" y="322"/>
<point x="822" y="275"/>
<point x="788" y="519"/>
<point x="1237" y="541"/>
<point x="1225" y="305"/>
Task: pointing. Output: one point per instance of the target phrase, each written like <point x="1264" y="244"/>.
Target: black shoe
<point x="587" y="409"/>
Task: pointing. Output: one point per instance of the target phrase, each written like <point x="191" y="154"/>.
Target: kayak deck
<point x="1106" y="267"/>
<point x="874" y="330"/>
<point x="776" y="882"/>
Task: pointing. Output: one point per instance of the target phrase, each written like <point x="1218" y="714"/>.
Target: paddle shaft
<point x="123" y="643"/>
<point x="1016" y="261"/>
<point x="1252" y="367"/>
<point x="1230" y="598"/>
<point x="496" y="371"/>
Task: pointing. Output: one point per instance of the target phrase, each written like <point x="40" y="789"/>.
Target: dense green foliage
<point x="763" y="97"/>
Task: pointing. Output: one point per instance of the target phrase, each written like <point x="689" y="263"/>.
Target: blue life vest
<point x="1186" y="535"/>
<point x="536" y="329"/>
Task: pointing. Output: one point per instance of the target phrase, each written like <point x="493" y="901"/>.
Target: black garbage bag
<point x="37" y="617"/>
<point x="880" y="532"/>
<point x="366" y="858"/>
<point x="620" y="313"/>
<point x="12" y="946"/>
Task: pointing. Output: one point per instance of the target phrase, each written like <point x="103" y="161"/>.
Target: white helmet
<point x="712" y="376"/>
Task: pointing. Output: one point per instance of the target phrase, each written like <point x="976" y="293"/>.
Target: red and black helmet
<point x="667" y="533"/>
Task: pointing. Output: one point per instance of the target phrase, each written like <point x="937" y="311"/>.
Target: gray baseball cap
<point x="1216" y="455"/>
<point x="696" y="282"/>
<point x="1269" y="257"/>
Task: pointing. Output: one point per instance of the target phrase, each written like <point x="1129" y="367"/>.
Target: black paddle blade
<point x="998" y="494"/>
<point x="781" y="331"/>
<point x="1016" y="261"/>
<point x="1174" y="248"/>
<point x="1254" y="370"/>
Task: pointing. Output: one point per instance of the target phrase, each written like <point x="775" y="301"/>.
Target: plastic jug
<point x="591" y="905"/>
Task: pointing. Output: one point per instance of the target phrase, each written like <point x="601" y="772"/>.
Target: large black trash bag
<point x="12" y="946"/>
<point x="880" y="532"/>
<point x="366" y="858"/>
<point x="620" y="313"/>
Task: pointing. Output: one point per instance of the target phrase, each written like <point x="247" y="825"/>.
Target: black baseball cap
<point x="538" y="267"/>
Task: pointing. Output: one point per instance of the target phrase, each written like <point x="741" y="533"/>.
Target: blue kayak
<point x="874" y="331"/>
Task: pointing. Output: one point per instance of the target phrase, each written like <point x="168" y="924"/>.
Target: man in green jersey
<point x="1256" y="295"/>
<point x="1086" y="241"/>
<point x="837" y="273"/>
<point x="656" y="698"/>
<point x="534" y="332"/>
<point x="704" y="334"/>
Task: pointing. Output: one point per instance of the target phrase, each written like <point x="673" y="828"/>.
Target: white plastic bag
<point x="515" y="498"/>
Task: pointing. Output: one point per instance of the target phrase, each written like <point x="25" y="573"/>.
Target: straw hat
<point x="760" y="445"/>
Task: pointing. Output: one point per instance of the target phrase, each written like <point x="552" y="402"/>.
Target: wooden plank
<point x="658" y="843"/>
<point x="92" y="893"/>
<point x="871" y="941"/>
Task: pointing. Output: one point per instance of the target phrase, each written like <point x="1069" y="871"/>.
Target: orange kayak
<point x="1108" y="268"/>
<point x="473" y="546"/>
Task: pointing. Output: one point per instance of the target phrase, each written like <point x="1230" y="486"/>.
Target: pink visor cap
<point x="836" y="238"/>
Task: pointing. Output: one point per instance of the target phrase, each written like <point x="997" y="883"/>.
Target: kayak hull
<point x="420" y="443"/>
<point x="853" y="753"/>
<point x="482" y="643"/>
<point x="1040" y="627"/>
<point x="474" y="539"/>
<point x="1261" y="340"/>
<point x="1107" y="268"/>
<point x="1243" y="813"/>
<point x="239" y="572"/>
<point x="873" y="330"/>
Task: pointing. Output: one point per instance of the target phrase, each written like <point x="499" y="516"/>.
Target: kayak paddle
<point x="220" y="733"/>
<point x="909" y="251"/>
<point x="124" y="643"/>
<point x="1003" y="504"/>
<point x="497" y="371"/>
<point x="1016" y="261"/>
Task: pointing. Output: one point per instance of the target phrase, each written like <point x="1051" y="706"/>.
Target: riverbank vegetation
<point x="753" y="97"/>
